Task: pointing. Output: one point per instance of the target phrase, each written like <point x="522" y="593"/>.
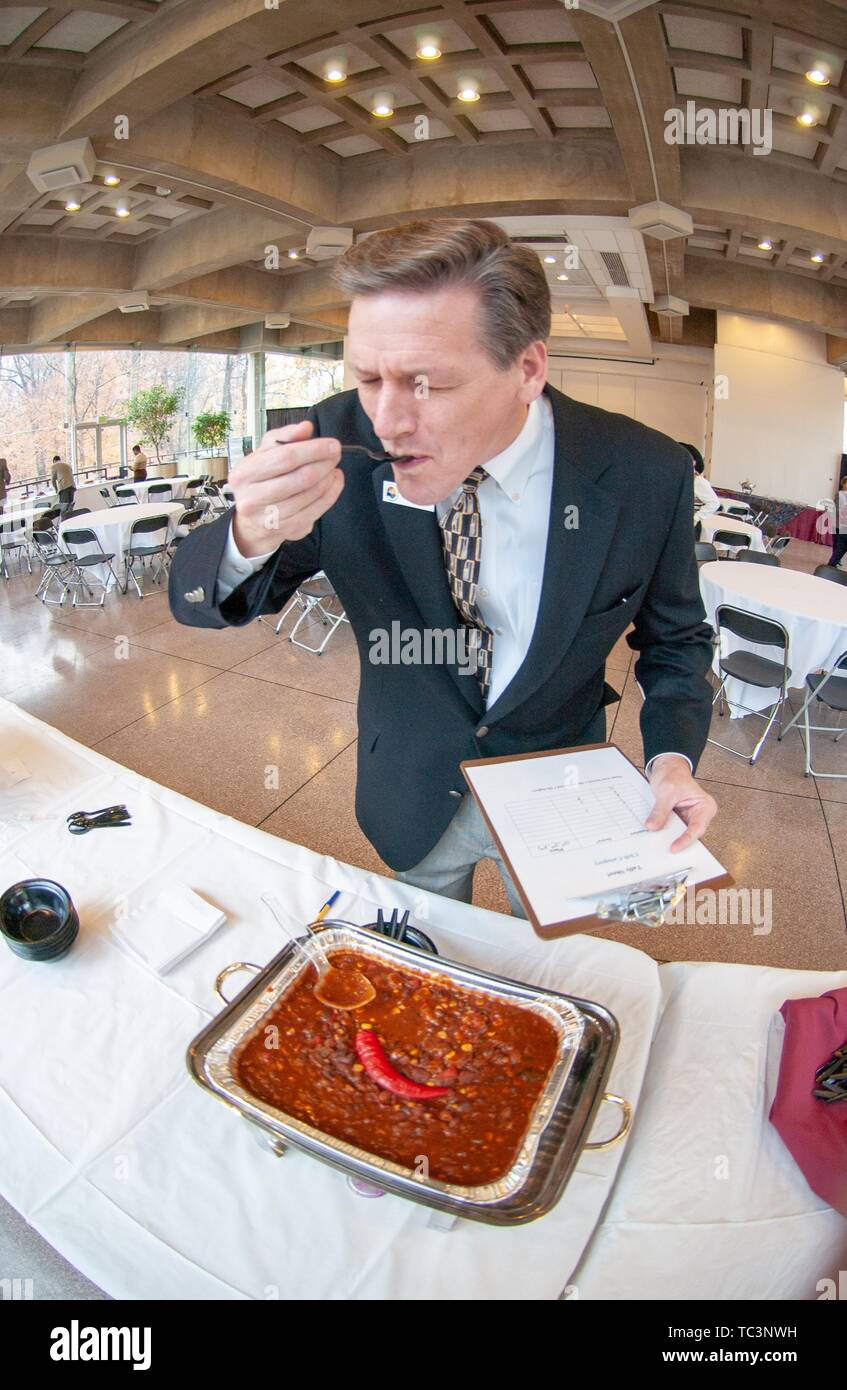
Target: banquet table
<point x="112" y="526"/>
<point x="29" y="515"/>
<point x="155" y="1190"/>
<point x="813" y="611"/>
<point x="710" y="524"/>
<point x="142" y="490"/>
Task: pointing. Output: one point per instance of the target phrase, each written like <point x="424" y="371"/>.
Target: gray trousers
<point x="448" y="869"/>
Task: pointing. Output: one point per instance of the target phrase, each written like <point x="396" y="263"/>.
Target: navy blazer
<point x="630" y="559"/>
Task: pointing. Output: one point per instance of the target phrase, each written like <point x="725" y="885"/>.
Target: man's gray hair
<point x="436" y="254"/>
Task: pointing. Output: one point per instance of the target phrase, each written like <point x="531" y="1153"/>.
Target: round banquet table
<point x="28" y="515"/>
<point x="112" y="526"/>
<point x="710" y="524"/>
<point x="142" y="490"/>
<point x="813" y="611"/>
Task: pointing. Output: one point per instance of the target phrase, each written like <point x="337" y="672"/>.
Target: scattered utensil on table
<point x="80" y="822"/>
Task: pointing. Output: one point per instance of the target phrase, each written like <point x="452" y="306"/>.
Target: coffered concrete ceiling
<point x="227" y="137"/>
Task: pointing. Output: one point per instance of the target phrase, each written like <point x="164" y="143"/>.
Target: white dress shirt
<point x="705" y="493"/>
<point x="514" y="504"/>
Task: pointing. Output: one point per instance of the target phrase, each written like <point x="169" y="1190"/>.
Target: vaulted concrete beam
<point x="114" y="329"/>
<point x="55" y="318"/>
<point x="756" y="194"/>
<point x="583" y="174"/>
<point x="207" y="244"/>
<point x="14" y="329"/>
<point x="181" y="323"/>
<point x="721" y="284"/>
<point x="48" y="263"/>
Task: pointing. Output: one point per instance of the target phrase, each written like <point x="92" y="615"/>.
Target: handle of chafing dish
<point x="626" y="1123"/>
<point x="231" y="970"/>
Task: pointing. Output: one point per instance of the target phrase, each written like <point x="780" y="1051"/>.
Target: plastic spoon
<point x="340" y="989"/>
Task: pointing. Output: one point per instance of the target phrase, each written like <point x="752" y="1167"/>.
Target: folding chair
<point x="740" y="510"/>
<point x="162" y="492"/>
<point x="78" y="511"/>
<point x="146" y="526"/>
<point x="832" y="573"/>
<point x="125" y="496"/>
<point x="184" y="526"/>
<point x="56" y="566"/>
<point x="107" y="497"/>
<point x="760" y="518"/>
<point x="311" y="599"/>
<point x="704" y="551"/>
<point x="732" y="540"/>
<point x="758" y="557"/>
<point x="751" y="668"/>
<point x="84" y="565"/>
<point x="776" y="544"/>
<point x="13" y="539"/>
<point x="829" y="687"/>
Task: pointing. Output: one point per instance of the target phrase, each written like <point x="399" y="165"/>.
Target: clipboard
<point x="645" y="903"/>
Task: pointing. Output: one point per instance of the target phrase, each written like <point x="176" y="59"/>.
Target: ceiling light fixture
<point x="111" y="180"/>
<point x="549" y="260"/>
<point x="122" y="210"/>
<point x="816" y="69"/>
<point x="72" y="205"/>
<point x="818" y="257"/>
<point x="806" y="112"/>
<point x="383" y="104"/>
<point x="765" y="244"/>
<point x="162" y="192"/>
<point x="562" y="276"/>
<point x="335" y="70"/>
<point x="468" y="89"/>
<point x="428" y="47"/>
<point x="293" y="254"/>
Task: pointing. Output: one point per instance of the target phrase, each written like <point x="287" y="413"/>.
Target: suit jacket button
<point x="195" y="595"/>
<point x="455" y="793"/>
<point x="482" y="731"/>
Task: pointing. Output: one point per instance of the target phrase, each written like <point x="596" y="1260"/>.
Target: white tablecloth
<point x="113" y="524"/>
<point x="28" y="515"/>
<point x="141" y="490"/>
<point x="814" y="612"/>
<point x="154" y="1189"/>
<point x="710" y="524"/>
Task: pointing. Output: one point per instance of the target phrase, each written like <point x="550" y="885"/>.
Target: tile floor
<point x="249" y="724"/>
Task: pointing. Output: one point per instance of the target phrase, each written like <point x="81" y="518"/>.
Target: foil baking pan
<point x="556" y="1133"/>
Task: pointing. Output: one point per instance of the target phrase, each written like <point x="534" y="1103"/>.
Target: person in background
<point x="5" y="480"/>
<point x="839" y="540"/>
<point x="704" y="493"/>
<point x="63" y="483"/>
<point x="139" y="464"/>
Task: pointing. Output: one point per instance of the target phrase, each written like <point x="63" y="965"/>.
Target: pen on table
<point x="327" y="905"/>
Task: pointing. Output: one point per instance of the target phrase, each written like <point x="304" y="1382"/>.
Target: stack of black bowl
<point x="38" y="921"/>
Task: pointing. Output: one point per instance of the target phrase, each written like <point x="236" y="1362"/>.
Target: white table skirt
<point x="155" y="1190"/>
<point x="142" y="490"/>
<point x="710" y="524"/>
<point x="112" y="525"/>
<point x="813" y="611"/>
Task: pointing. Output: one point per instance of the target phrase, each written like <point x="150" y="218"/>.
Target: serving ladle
<point x="339" y="989"/>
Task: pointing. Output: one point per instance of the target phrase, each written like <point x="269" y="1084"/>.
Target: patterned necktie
<point x="461" y="539"/>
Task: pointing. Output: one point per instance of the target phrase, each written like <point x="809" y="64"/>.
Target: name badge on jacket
<point x="392" y="493"/>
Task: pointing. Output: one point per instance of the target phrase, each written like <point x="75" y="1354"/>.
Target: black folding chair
<point x="78" y="511"/>
<point x="184" y="526"/>
<point x="107" y="497"/>
<point x="758" y="557"/>
<point x="13" y="541"/>
<point x="828" y="687"/>
<point x="832" y="573"/>
<point x="56" y="567"/>
<point x="161" y="492"/>
<point x="704" y="551"/>
<point x="751" y="667"/>
<point x="140" y="551"/>
<point x="86" y="563"/>
<point x="777" y="544"/>
<point x="733" y="540"/>
<point x="125" y="496"/>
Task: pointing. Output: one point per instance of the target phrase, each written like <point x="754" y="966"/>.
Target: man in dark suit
<point x="489" y="567"/>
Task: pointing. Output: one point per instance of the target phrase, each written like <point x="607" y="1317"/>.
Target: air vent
<point x="62" y="166"/>
<point x="615" y="267"/>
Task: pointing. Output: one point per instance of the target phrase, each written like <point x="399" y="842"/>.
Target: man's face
<point x="431" y="391"/>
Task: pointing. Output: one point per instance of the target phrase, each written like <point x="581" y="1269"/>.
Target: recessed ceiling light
<point x="335" y="70"/>
<point x="818" y="257"/>
<point x="562" y="276"/>
<point x="549" y="260"/>
<point x="806" y="112"/>
<point x="428" y="47"/>
<point x="294" y="254"/>
<point x="818" y="75"/>
<point x="72" y="205"/>
<point x="111" y="180"/>
<point x="468" y="89"/>
<point x="816" y="69"/>
<point x="807" y="118"/>
<point x="122" y="210"/>
<point x="162" y="192"/>
<point x="383" y="104"/>
<point x="765" y="244"/>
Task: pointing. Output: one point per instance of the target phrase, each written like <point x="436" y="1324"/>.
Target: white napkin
<point x="167" y="929"/>
<point x="12" y="771"/>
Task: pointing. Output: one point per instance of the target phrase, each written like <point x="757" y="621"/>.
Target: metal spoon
<point x="340" y="989"/>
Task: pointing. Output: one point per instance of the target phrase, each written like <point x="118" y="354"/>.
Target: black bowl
<point x="412" y="936"/>
<point x="38" y="921"/>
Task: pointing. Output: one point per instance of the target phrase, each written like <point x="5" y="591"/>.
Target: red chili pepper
<point x="372" y="1055"/>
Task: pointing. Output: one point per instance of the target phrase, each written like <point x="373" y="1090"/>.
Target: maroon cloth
<point x="814" y="1131"/>
<point x="810" y="525"/>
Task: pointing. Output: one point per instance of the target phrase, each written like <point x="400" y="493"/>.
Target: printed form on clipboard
<point x="570" y="826"/>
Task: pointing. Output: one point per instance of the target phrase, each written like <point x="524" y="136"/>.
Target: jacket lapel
<point x="416" y="542"/>
<point x="575" y="554"/>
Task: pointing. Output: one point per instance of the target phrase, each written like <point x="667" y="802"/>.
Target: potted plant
<point x="152" y="412"/>
<point x="211" y="429"/>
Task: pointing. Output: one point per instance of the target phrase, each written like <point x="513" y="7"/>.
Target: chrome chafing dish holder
<point x="556" y="1134"/>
